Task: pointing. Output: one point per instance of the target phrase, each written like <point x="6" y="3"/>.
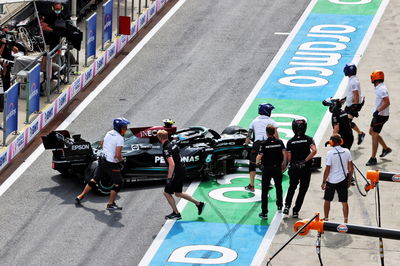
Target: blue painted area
<point x="274" y="89"/>
<point x="244" y="239"/>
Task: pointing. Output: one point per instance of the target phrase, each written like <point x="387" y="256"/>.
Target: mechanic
<point x="337" y="176"/>
<point x="6" y="59"/>
<point x="53" y="24"/>
<point x="175" y="176"/>
<point x="272" y="156"/>
<point x="354" y="99"/>
<point x="109" y="163"/>
<point x="258" y="135"/>
<point x="380" y="116"/>
<point x="340" y="122"/>
<point x="300" y="150"/>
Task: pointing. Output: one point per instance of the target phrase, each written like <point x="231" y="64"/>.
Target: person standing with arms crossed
<point x="337" y="176"/>
<point x="272" y="155"/>
<point x="109" y="163"/>
<point x="175" y="177"/>
<point x="257" y="127"/>
<point x="354" y="99"/>
<point x="300" y="150"/>
<point x="380" y="116"/>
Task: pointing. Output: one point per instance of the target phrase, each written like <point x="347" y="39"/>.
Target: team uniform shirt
<point x="341" y="119"/>
<point x="381" y="92"/>
<point x="169" y="150"/>
<point x="259" y="126"/>
<point x="271" y="149"/>
<point x="299" y="147"/>
<point x="336" y="174"/>
<point x="353" y="85"/>
<point x="112" y="140"/>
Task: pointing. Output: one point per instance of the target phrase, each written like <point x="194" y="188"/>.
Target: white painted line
<point x="22" y="168"/>
<point x="282" y="33"/>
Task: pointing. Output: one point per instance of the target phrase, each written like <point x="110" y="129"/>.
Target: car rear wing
<point x="57" y="140"/>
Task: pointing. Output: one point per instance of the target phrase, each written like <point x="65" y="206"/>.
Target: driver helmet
<point x="120" y="125"/>
<point x="299" y="126"/>
<point x="168" y="122"/>
<point x="265" y="109"/>
<point x="350" y="70"/>
<point x="334" y="104"/>
<point x="377" y="75"/>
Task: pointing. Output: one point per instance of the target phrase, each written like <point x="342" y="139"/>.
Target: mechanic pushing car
<point x="175" y="177"/>
<point x="258" y="127"/>
<point x="109" y="163"/>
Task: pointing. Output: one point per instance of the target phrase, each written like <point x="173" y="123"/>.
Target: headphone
<point x="62" y="7"/>
<point x="332" y="142"/>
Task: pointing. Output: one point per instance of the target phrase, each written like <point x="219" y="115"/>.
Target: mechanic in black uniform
<point x="109" y="163"/>
<point x="272" y="155"/>
<point x="53" y="24"/>
<point x="341" y="123"/>
<point x="175" y="177"/>
<point x="300" y="150"/>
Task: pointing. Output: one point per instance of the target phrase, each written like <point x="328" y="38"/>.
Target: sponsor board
<point x="88" y="75"/>
<point x="3" y="158"/>
<point x="19" y="143"/>
<point x="48" y="114"/>
<point x="133" y="30"/>
<point x="75" y="87"/>
<point x="34" y="128"/>
<point x="142" y="20"/>
<point x="122" y="40"/>
<point x="160" y="4"/>
<point x="62" y="101"/>
<point x="100" y="64"/>
<point x="111" y="51"/>
<point x="152" y="10"/>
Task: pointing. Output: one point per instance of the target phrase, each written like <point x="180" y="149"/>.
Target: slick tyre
<point x="234" y="130"/>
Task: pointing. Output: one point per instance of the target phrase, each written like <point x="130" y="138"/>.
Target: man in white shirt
<point x="109" y="163"/>
<point x="257" y="132"/>
<point x="337" y="176"/>
<point x="354" y="99"/>
<point x="380" y="116"/>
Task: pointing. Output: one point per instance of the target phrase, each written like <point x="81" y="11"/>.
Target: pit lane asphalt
<point x="198" y="70"/>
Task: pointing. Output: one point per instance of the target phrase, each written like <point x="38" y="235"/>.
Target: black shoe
<point x="279" y="209"/>
<point x="113" y="207"/>
<point x="249" y="188"/>
<point x="295" y="214"/>
<point x="200" y="208"/>
<point x="173" y="215"/>
<point x="263" y="216"/>
<point x="360" y="138"/>
<point x="371" y="161"/>
<point x="286" y="210"/>
<point x="385" y="152"/>
<point x="77" y="200"/>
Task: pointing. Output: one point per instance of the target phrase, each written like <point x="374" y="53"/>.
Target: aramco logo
<point x="107" y="22"/>
<point x="90" y="37"/>
<point x="34" y="90"/>
<point x="12" y="111"/>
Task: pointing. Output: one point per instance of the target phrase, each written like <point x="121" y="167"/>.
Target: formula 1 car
<point x="204" y="152"/>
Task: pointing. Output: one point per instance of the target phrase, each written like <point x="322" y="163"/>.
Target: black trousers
<point x="276" y="174"/>
<point x="297" y="176"/>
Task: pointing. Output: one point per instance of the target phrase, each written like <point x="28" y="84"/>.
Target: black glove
<point x="169" y="182"/>
<point x="261" y="166"/>
<point x="375" y="114"/>
<point x="326" y="143"/>
<point x="299" y="164"/>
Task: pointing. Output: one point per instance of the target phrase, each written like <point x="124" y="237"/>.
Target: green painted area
<point x="313" y="111"/>
<point x="327" y="7"/>
<point x="218" y="211"/>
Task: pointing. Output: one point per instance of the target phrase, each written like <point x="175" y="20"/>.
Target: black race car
<point x="204" y="152"/>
